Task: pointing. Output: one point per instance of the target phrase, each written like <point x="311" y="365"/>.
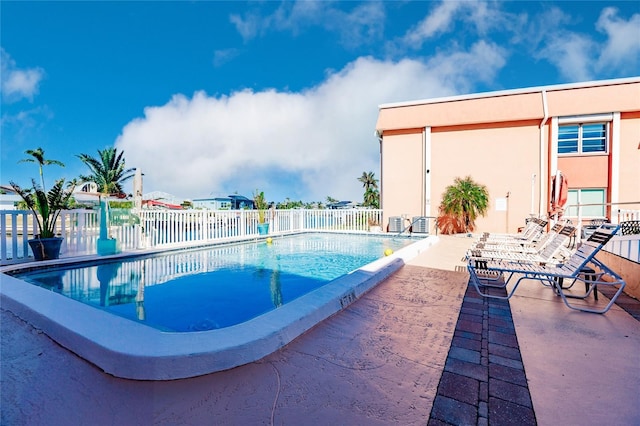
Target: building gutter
<point x="541" y="162"/>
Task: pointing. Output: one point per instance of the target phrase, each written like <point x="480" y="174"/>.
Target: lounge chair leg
<point x="590" y="275"/>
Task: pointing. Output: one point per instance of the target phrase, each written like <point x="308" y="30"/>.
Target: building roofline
<point x="508" y="92"/>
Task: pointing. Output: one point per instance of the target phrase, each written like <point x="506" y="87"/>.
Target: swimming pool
<point x="130" y="349"/>
<point x="216" y="287"/>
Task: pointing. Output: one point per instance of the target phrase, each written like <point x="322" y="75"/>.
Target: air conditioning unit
<point x="395" y="224"/>
<point x="420" y="225"/>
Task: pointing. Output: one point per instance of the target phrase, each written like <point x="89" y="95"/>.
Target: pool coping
<point x="126" y="349"/>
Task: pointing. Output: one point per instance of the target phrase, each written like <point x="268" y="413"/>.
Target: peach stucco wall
<point x="591" y="171"/>
<point x="630" y="161"/>
<point x="627" y="269"/>
<point x="594" y="100"/>
<point x="402" y="186"/>
<point x="502" y="159"/>
<point x="519" y="107"/>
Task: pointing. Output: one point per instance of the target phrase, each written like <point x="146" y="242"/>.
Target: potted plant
<point x="374" y="224"/>
<point x="46" y="207"/>
<point x="262" y="206"/>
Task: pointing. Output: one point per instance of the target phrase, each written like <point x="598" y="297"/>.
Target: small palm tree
<point x="37" y="156"/>
<point x="108" y="171"/>
<point x="461" y="205"/>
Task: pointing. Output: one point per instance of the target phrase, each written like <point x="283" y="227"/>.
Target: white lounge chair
<point x="531" y="232"/>
<point x="549" y="249"/>
<point x="553" y="275"/>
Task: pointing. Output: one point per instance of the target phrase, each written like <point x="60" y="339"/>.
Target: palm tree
<point x="108" y="171"/>
<point x="37" y="156"/>
<point x="372" y="198"/>
<point x="369" y="181"/>
<point x="331" y="200"/>
<point x="370" y="184"/>
<point x="461" y="205"/>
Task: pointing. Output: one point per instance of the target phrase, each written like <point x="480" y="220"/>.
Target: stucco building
<point x="514" y="142"/>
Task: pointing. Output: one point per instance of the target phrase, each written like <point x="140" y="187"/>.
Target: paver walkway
<point x="531" y="360"/>
<point x="484" y="381"/>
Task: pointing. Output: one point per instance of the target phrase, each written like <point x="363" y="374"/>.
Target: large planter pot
<point x="107" y="246"/>
<point x="263" y="228"/>
<point x="46" y="248"/>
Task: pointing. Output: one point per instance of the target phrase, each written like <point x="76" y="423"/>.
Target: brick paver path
<point x="484" y="380"/>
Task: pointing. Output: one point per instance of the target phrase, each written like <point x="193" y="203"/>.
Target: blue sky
<point x="212" y="98"/>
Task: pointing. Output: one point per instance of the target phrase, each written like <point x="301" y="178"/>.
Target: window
<point x="586" y="196"/>
<point x="582" y="138"/>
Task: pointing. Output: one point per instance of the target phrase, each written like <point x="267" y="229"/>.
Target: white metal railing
<point x="619" y="213"/>
<point x="168" y="228"/>
<point x="627" y="214"/>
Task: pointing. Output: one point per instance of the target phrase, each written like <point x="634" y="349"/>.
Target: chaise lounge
<point x="498" y="273"/>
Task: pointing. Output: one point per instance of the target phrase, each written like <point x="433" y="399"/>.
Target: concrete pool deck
<point x="419" y="348"/>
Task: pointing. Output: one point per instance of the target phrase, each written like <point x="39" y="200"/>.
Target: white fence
<point x="146" y="229"/>
<point x="627" y="214"/>
<point x="627" y="246"/>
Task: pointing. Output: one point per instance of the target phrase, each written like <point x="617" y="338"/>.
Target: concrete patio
<point x="421" y="348"/>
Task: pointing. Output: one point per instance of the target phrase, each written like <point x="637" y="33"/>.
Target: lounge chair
<point x="531" y="233"/>
<point x="549" y="249"/>
<point x="553" y="275"/>
<point x="521" y="245"/>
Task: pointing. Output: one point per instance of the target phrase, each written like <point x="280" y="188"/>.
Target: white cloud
<point x="361" y="25"/>
<point x="622" y="47"/>
<point x="581" y="57"/>
<point x="572" y="54"/>
<point x="222" y="56"/>
<point x="477" y="16"/>
<point x="462" y="69"/>
<point x="305" y="145"/>
<point x="437" y="22"/>
<point x="531" y="31"/>
<point x="16" y="83"/>
<point x="248" y="26"/>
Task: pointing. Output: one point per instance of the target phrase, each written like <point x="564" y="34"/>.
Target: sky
<point x="210" y="98"/>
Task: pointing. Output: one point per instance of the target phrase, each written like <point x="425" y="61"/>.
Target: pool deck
<point x="420" y="348"/>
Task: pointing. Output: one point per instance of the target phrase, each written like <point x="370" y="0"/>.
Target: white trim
<point x="426" y="137"/>
<point x="581" y="85"/>
<point x="553" y="166"/>
<point x="592" y="118"/>
<point x="615" y="160"/>
<point x="542" y="162"/>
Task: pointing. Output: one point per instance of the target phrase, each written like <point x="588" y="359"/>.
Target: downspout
<point x="378" y="135"/>
<point x="541" y="160"/>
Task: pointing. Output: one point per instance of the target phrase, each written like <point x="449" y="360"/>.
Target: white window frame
<point x="580" y="121"/>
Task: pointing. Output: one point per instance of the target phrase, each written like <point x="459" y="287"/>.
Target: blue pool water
<point x="216" y="287"/>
